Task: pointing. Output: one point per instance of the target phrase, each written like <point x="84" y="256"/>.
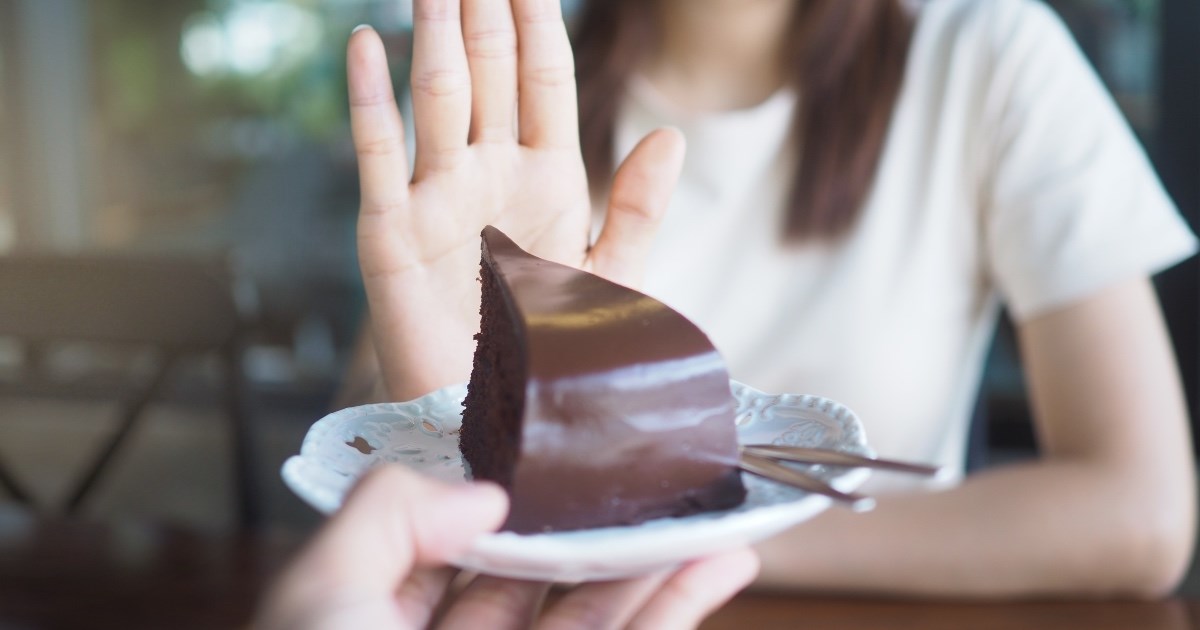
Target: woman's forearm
<point x="1066" y="528"/>
<point x="1108" y="510"/>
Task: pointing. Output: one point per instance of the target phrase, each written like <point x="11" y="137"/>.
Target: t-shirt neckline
<point x="780" y="103"/>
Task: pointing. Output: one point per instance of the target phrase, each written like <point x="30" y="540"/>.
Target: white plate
<point x="422" y="434"/>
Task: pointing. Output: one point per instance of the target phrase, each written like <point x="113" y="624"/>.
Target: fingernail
<point x="359" y="28"/>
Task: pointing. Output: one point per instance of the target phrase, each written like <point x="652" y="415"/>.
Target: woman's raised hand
<point x="497" y="142"/>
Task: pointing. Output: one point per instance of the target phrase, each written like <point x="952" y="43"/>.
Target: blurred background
<point x="177" y="266"/>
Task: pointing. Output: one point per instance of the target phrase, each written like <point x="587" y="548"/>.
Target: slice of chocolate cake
<point x="591" y="403"/>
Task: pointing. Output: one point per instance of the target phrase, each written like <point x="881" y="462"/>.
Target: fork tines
<point x="775" y="471"/>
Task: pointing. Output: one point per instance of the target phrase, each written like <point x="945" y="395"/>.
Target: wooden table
<point x="751" y="611"/>
<point x="70" y="574"/>
<point x="58" y="573"/>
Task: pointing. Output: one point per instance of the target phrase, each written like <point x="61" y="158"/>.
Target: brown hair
<point x="846" y="60"/>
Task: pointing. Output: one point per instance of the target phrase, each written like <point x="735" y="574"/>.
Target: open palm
<point x="497" y="141"/>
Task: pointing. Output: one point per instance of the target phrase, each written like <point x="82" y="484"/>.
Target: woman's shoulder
<point x="995" y="24"/>
<point x="985" y="44"/>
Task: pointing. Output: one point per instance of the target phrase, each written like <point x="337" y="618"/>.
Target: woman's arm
<point x="1108" y="509"/>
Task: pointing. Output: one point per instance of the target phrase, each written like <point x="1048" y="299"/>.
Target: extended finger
<point x="546" y="76"/>
<point x="375" y="123"/>
<point x="491" y="43"/>
<point x="495" y="603"/>
<point x="394" y="520"/>
<point x="696" y="591"/>
<point x="637" y="203"/>
<point x="441" y="85"/>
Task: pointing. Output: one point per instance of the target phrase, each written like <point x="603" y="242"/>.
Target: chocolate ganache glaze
<point x="593" y="404"/>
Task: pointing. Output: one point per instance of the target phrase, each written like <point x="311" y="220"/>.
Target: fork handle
<point x="805" y="455"/>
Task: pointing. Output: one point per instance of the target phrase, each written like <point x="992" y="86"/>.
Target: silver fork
<point x="808" y="455"/>
<point x="763" y="460"/>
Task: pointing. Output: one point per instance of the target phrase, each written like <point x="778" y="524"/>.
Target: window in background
<point x="195" y="96"/>
<point x="222" y="127"/>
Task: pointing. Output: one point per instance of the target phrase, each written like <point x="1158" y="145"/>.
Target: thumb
<point x="395" y="520"/>
<point x="638" y="201"/>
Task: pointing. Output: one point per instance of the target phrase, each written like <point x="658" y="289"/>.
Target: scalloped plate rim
<point x="575" y="555"/>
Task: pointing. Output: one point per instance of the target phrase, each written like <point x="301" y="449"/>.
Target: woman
<point x="865" y="184"/>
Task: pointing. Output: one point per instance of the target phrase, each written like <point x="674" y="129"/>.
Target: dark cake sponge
<point x="593" y="404"/>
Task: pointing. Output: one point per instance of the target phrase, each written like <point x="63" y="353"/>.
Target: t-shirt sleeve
<point x="1072" y="205"/>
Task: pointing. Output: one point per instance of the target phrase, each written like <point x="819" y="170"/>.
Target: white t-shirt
<point x="1008" y="175"/>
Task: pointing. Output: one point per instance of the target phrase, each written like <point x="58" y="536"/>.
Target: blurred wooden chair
<point x="178" y="307"/>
